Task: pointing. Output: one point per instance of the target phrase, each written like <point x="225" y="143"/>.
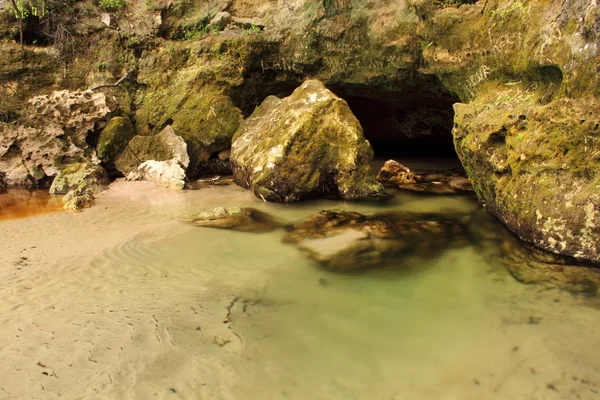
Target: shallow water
<point x="123" y="301"/>
<point x="22" y="203"/>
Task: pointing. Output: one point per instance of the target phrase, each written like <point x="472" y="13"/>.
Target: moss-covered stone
<point x="114" y="137"/>
<point x="80" y="175"/>
<point x="536" y="168"/>
<point x="304" y="146"/>
<point x="204" y="117"/>
<point x="79" y="182"/>
<point x="162" y="147"/>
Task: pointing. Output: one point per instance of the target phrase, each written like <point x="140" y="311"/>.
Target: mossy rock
<point x="162" y="147"/>
<point x="536" y="167"/>
<point x="304" y="146"/>
<point x="114" y="137"/>
<point x="83" y="177"/>
<point x="206" y="120"/>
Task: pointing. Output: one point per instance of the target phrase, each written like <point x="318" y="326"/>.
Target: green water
<point x="134" y="304"/>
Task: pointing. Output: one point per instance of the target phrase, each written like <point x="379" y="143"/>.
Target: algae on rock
<point x="79" y="182"/>
<point x="162" y="147"/>
<point x="114" y="137"/>
<point x="536" y="168"/>
<point x="304" y="146"/>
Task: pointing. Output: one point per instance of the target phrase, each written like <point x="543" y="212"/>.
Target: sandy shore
<point x="123" y="301"/>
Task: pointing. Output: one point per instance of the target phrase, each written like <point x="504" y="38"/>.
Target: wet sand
<point x="122" y="301"/>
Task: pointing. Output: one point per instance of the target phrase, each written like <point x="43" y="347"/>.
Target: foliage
<point x="112" y="5"/>
<point x="515" y="7"/>
<point x="21" y="9"/>
<point x="252" y="29"/>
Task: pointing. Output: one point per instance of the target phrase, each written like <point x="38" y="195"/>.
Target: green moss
<point x="114" y="137"/>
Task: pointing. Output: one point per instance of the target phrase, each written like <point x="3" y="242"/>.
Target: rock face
<point x="114" y="137"/>
<point x="304" y="146"/>
<point x="427" y="181"/>
<point x="239" y="219"/>
<point x="345" y="241"/>
<point x="79" y="182"/>
<point x="162" y="147"/>
<point x="537" y="169"/>
<point x="53" y="136"/>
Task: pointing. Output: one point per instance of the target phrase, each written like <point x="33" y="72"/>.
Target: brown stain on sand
<point x="23" y="203"/>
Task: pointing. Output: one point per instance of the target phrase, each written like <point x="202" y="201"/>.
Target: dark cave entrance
<point x="410" y="125"/>
<point x="408" y="122"/>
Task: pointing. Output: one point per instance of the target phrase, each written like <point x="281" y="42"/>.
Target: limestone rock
<point x="346" y="241"/>
<point x="205" y="119"/>
<point x="239" y="219"/>
<point x="53" y="136"/>
<point x="86" y="175"/>
<point x="224" y="155"/>
<point x="537" y="169"/>
<point x="162" y="147"/>
<point x="169" y="174"/>
<point x="304" y="146"/>
<point x="79" y="182"/>
<point x="114" y="137"/>
<point x="77" y="200"/>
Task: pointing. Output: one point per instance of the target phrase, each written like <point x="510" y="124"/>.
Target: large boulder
<point x="53" y="135"/>
<point x="304" y="146"/>
<point x="114" y="137"/>
<point x="537" y="169"/>
<point x="205" y="119"/>
<point x="528" y="264"/>
<point x="164" y="146"/>
<point x="94" y="177"/>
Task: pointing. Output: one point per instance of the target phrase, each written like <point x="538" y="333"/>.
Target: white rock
<point x="169" y="173"/>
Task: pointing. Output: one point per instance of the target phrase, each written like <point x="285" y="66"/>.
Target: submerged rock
<point x="234" y="218"/>
<point x="162" y="147"/>
<point x="52" y="137"/>
<point x="169" y="173"/>
<point x="528" y="264"/>
<point x="304" y="146"/>
<point x="79" y="182"/>
<point x="421" y="180"/>
<point x="346" y="241"/>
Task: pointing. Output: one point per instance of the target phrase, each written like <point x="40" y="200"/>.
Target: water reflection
<point x="22" y="203"/>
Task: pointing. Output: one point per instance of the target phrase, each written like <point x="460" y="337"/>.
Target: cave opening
<point x="410" y="125"/>
<point x="408" y="122"/>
